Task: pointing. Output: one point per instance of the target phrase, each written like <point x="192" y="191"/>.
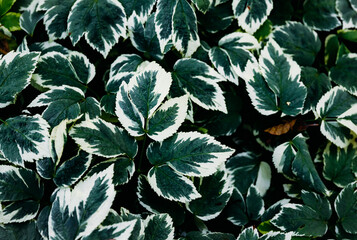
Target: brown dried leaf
<point x="281" y="128"/>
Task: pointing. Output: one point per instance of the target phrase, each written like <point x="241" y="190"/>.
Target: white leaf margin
<point x="153" y="183"/>
<point x="182" y="103"/>
<point x="349" y="113"/>
<point x="207" y="168"/>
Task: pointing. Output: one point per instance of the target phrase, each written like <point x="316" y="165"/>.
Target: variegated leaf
<point x="148" y="88"/>
<point x="127" y="113"/>
<point x="203" y="5"/>
<point x="184" y="25"/>
<point x="144" y="38"/>
<point x="282" y="75"/>
<point x="263" y="98"/>
<point x="62" y="72"/>
<point x="101" y="23"/>
<point x="14" y="79"/>
<point x="31" y="16"/>
<point x="251" y="14"/>
<point x="347" y="12"/>
<point x="83" y="208"/>
<point x="104" y="139"/>
<point x="200" y="81"/>
<point x="309" y="219"/>
<point x="239" y="40"/>
<point x="72" y="170"/>
<point x="62" y="102"/>
<point x="299" y="41"/>
<point x="141" y="8"/>
<point x="20" y="211"/>
<point x="24" y="138"/>
<point x="191" y="153"/>
<point x="294" y="160"/>
<point x="159" y="226"/>
<point x="349" y="118"/>
<point x="215" y="190"/>
<point x="19" y="184"/>
<point x="344" y="72"/>
<point x="163" y="21"/>
<point x="121" y="230"/>
<point x="345" y="208"/>
<point x="58" y="138"/>
<point x="125" y="63"/>
<point x="171" y="185"/>
<point x="220" y="59"/>
<point x="321" y="15"/>
<point x="168" y="118"/>
<point x="249" y="234"/>
<point x="338" y="164"/>
<point x="56" y="16"/>
<point x="84" y="69"/>
<point x="330" y="107"/>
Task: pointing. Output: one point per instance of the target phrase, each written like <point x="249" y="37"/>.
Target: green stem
<point x="142" y="154"/>
<point x="4" y="122"/>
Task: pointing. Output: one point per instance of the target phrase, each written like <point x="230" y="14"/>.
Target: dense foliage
<point x="178" y="119"/>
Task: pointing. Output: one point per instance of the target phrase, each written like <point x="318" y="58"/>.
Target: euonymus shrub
<point x="178" y="119"/>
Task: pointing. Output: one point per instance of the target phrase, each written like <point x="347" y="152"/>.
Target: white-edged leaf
<point x="168" y="118"/>
<point x="84" y="69"/>
<point x="118" y="231"/>
<point x="19" y="184"/>
<point x="48" y="46"/>
<point x="299" y="41"/>
<point x="83" y="208"/>
<point x="31" y="16"/>
<point x="92" y="199"/>
<point x="62" y="220"/>
<point x="294" y="160"/>
<point x="25" y="138"/>
<point x="282" y="75"/>
<point x="236" y="211"/>
<point x="140" y="8"/>
<point x="344" y="72"/>
<point x="159" y="226"/>
<point x="189" y="153"/>
<point x="72" y="170"/>
<point x="14" y="79"/>
<point x="251" y="14"/>
<point x="239" y="40"/>
<point x="127" y="113"/>
<point x="215" y="190"/>
<point x="345" y="208"/>
<point x="101" y="138"/>
<point x="254" y="203"/>
<point x="243" y="168"/>
<point x="90" y="107"/>
<point x="321" y="15"/>
<point x="184" y="25"/>
<point x="347" y="13"/>
<point x="58" y="138"/>
<point x="249" y="234"/>
<point x="349" y="118"/>
<point x="62" y="102"/>
<point x="55" y="70"/>
<point x="338" y="164"/>
<point x="56" y="16"/>
<point x="125" y="63"/>
<point x="156" y="204"/>
<point x="203" y="5"/>
<point x="148" y="88"/>
<point x="200" y="81"/>
<point x="330" y="107"/>
<point x="101" y="23"/>
<point x="263" y="98"/>
<point x="20" y="211"/>
<point x="124" y="169"/>
<point x="309" y="219"/>
<point x="163" y="21"/>
<point x="263" y="178"/>
<point x="169" y="184"/>
<point x="220" y="59"/>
